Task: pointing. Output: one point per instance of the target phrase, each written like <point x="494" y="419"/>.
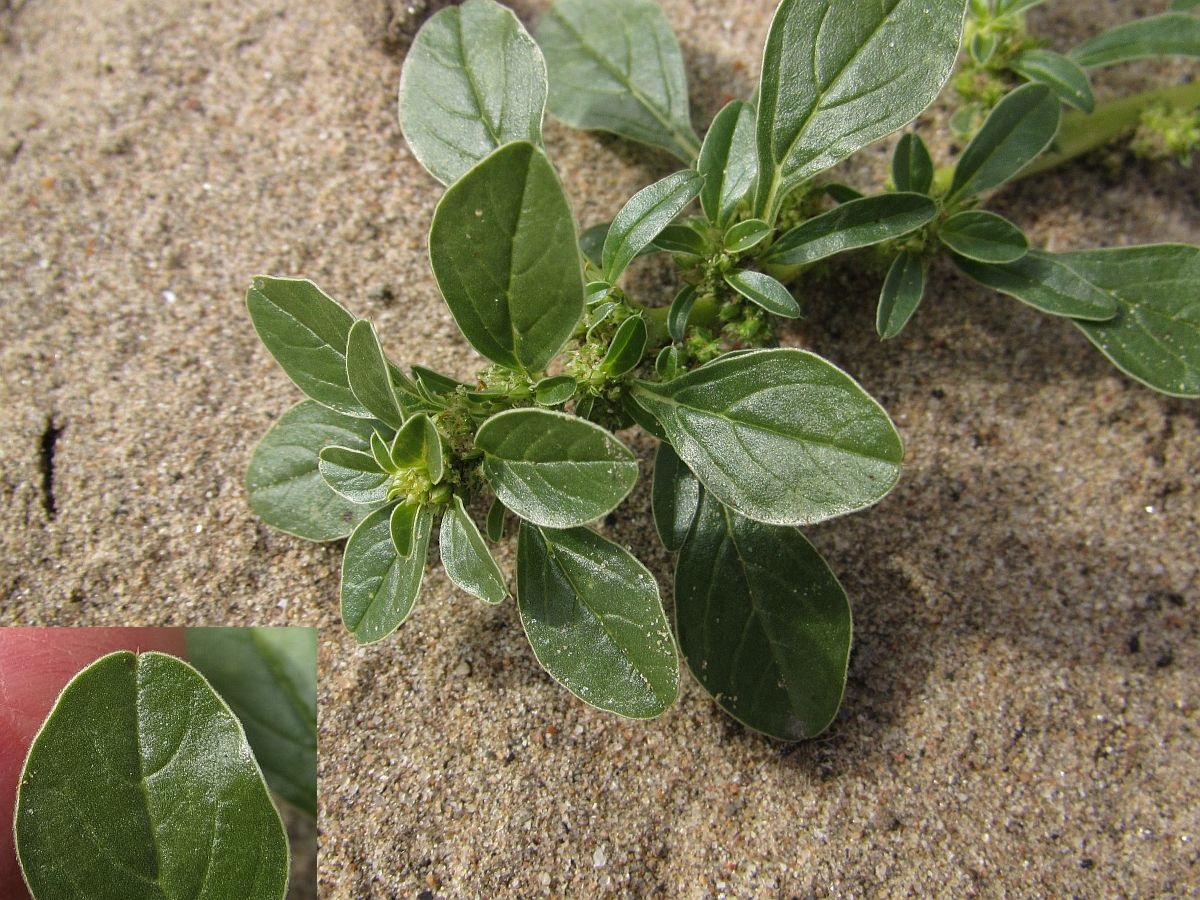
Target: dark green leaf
<point x="837" y="76"/>
<point x="728" y="162"/>
<point x="594" y="618"/>
<point x="284" y="481"/>
<point x="646" y="213"/>
<point x="552" y="468"/>
<point x="681" y="308"/>
<point x="306" y="331"/>
<point x="983" y="236"/>
<point x="380" y="588"/>
<point x="1012" y="7"/>
<point x="381" y="453"/>
<point x="667" y="363"/>
<point x="782" y="436"/>
<point x="1020" y="127"/>
<point x="1060" y="73"/>
<point x="615" y="66"/>
<point x="495" y="521"/>
<point x="554" y="391"/>
<point x="1171" y="34"/>
<point x="764" y="291"/>
<point x="1183" y="5"/>
<point x="762" y="622"/>
<point x="746" y="235"/>
<point x="504" y="254"/>
<point x="858" y="223"/>
<point x="627" y="347"/>
<point x="591" y="243"/>
<point x="596" y="291"/>
<point x="983" y="47"/>
<point x="354" y="474"/>
<point x="435" y="383"/>
<point x="268" y="676"/>
<point x="466" y="557"/>
<point x="640" y="416"/>
<point x="1046" y="283"/>
<point x="414" y="443"/>
<point x="472" y="81"/>
<point x="402" y="525"/>
<point x="140" y="786"/>
<point x="675" y="497"/>
<point x="842" y="193"/>
<point x="369" y="375"/>
<point x="912" y="166"/>
<point x="902" y="292"/>
<point x="681" y="239"/>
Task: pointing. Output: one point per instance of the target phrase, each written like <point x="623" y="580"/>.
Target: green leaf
<point x="901" y="295"/>
<point x="837" y="76"/>
<point x="381" y="453"/>
<point x="504" y="254"/>
<point x="402" y="526"/>
<point x="379" y="587"/>
<point x="354" y="474"/>
<point x="434" y="383"/>
<point x="647" y="213"/>
<point x="615" y="66"/>
<point x="842" y="193"/>
<point x="1020" y="127"/>
<point x="912" y="166"/>
<point x="983" y="47"/>
<point x="306" y="331"/>
<point x="858" y="223"/>
<point x="1046" y="283"/>
<point x="552" y="468"/>
<point x="595" y="621"/>
<point x="369" y="375"/>
<point x="782" y="436"/>
<point x="414" y="443"/>
<point x="627" y="347"/>
<point x="681" y="239"/>
<point x="1012" y="7"/>
<point x="140" y="786"/>
<point x="1155" y="336"/>
<point x="1183" y="5"/>
<point x="983" y="236"/>
<point x="668" y="363"/>
<point x="1060" y="73"/>
<point x="746" y="235"/>
<point x="675" y="497"/>
<point x="680" y="310"/>
<point x="1171" y="34"/>
<point x="268" y="676"/>
<point x="728" y="161"/>
<point x="472" y="81"/>
<point x="762" y="622"/>
<point x="764" y="291"/>
<point x="495" y="521"/>
<point x="555" y="390"/>
<point x="466" y="558"/>
<point x="284" y="481"/>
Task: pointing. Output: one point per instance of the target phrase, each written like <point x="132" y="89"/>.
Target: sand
<point x="1021" y="710"/>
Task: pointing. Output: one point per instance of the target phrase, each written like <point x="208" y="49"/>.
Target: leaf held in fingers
<point x="141" y="783"/>
<point x="354" y="474"/>
<point x="912" y="166"/>
<point x="1170" y="34"/>
<point x="763" y="623"/>
<point x="782" y="436"/>
<point x="472" y="81"/>
<point x="984" y="237"/>
<point x="268" y="676"/>
<point x="728" y="161"/>
<point x="615" y="66"/>
<point x="594" y="618"/>
<point x="1060" y="73"/>
<point x="466" y="557"/>
<point x="504" y="253"/>
<point x="646" y="213"/>
<point x="1020" y="127"/>
<point x="369" y="375"/>
<point x="837" y="76"/>
<point x="306" y="331"/>
<point x="627" y="347"/>
<point x="857" y="223"/>
<point x="764" y="291"/>
<point x="901" y="295"/>
<point x="554" y="469"/>
<point x="675" y="497"/>
<point x="1046" y="283"/>
<point x="379" y="587"/>
<point x="284" y="481"/>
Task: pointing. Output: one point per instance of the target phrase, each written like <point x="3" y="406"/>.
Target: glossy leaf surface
<point x="857" y="223"/>
<point x="912" y="166"/>
<point x="983" y="236"/>
<point x="746" y="235"/>
<point x="615" y="66"/>
<point x="837" y="76"/>
<point x="369" y="375"/>
<point x="594" y="618"/>
<point x="680" y="310"/>
<point x="902" y="292"/>
<point x="627" y="347"/>
<point x="1046" y="283"/>
<point x="764" y="291"/>
<point x="141" y="786"/>
<point x="284" y="481"/>
<point x="646" y="213"/>
<point x="1171" y="34"/>
<point x="354" y="474"/>
<point x="466" y="558"/>
<point x="268" y="676"/>
<point x="781" y="435"/>
<point x="504" y="253"/>
<point x="554" y="469"/>
<point x="675" y="497"/>
<point x="728" y="161"/>
<point x="762" y="622"/>
<point x="1060" y="73"/>
<point x="379" y="587"/>
<point x="472" y="81"/>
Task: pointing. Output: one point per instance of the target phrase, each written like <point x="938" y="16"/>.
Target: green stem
<point x="1081" y="132"/>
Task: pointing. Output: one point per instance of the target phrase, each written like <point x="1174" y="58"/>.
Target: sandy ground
<point x="1021" y="711"/>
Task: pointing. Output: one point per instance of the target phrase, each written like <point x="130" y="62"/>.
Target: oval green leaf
<point x="983" y="236"/>
<point x="674" y="498"/>
<point x="495" y="521"/>
<point x="680" y="310"/>
<point x="141" y="785"/>
<point x="728" y="161"/>
<point x="764" y="291"/>
<point x="627" y="347"/>
<point x="284" y="481"/>
<point x="369" y="375"/>
<point x="1061" y="74"/>
<point x="782" y="436"/>
<point x="1171" y="34"/>
<point x="746" y="235"/>
<point x="901" y="295"/>
<point x="615" y="66"/>
<point x="595" y="621"/>
<point x="466" y="558"/>
<point x="555" y="390"/>
<point x="554" y="469"/>
<point x="354" y="474"/>
<point x="379" y="587"/>
<point x="504" y="253"/>
<point x="472" y="81"/>
<point x="682" y="239"/>
<point x="912" y="166"/>
<point x="857" y="223"/>
<point x="646" y="213"/>
<point x="763" y="623"/>
<point x="1046" y="283"/>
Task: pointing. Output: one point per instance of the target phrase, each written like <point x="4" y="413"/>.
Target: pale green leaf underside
<point x="595" y="621"/>
<point x="727" y="161"/>
<point x="379" y="587"/>
<point x="141" y="786"/>
<point x="764" y="291"/>
<point x="472" y="81"/>
<point x="466" y="557"/>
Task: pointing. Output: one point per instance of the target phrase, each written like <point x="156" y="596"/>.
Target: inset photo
<point x="158" y="762"/>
